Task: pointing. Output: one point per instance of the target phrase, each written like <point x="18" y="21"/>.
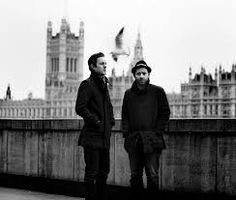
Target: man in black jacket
<point x="145" y="113"/>
<point x="94" y="106"/>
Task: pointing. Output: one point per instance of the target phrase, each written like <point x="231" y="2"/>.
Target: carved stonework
<point x="48" y="82"/>
<point x="225" y="92"/>
<point x="226" y="109"/>
<point x="195" y="109"/>
<point x="195" y="93"/>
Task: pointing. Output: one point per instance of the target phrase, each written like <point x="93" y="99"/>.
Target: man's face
<point x="101" y="66"/>
<point x="141" y="76"/>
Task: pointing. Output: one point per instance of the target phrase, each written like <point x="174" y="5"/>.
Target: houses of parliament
<point x="203" y="96"/>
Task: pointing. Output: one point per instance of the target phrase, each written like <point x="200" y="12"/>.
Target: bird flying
<point x="119" y="46"/>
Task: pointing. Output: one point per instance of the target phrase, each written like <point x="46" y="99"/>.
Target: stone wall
<point x="200" y="154"/>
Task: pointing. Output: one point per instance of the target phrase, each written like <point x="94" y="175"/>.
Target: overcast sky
<point x="176" y="34"/>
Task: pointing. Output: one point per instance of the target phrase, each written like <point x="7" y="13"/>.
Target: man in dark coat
<point x="94" y="106"/>
<point x="145" y="113"/>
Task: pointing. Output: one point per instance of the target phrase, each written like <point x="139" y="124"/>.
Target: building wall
<point x="206" y="97"/>
<point x="27" y="108"/>
<point x="64" y="70"/>
<point x="64" y="73"/>
<point x="202" y="96"/>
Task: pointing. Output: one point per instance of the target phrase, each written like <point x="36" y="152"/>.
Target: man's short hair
<point x="93" y="59"/>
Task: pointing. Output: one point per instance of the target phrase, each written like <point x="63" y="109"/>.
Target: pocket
<point x="130" y="143"/>
<point x="91" y="139"/>
<point x="161" y="139"/>
<point x="95" y="127"/>
<point x="93" y="122"/>
<point x="152" y="141"/>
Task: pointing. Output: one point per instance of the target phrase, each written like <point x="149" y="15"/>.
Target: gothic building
<point x="28" y="108"/>
<point x="64" y="72"/>
<point x="203" y="96"/>
<point x="206" y="97"/>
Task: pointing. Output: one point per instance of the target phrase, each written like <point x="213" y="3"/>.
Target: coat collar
<point x="135" y="88"/>
<point x="99" y="81"/>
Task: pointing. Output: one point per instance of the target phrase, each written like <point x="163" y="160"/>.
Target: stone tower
<point x="138" y="54"/>
<point x="64" y="68"/>
<point x="227" y="92"/>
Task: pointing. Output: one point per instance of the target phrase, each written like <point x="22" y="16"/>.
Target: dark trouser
<point x="138" y="161"/>
<point x="97" y="167"/>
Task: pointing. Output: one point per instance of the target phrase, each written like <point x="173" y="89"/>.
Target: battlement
<point x="64" y="30"/>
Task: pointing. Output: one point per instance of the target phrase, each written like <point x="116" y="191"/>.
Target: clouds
<point x="175" y="35"/>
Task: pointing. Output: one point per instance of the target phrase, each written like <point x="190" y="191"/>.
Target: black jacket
<point x="94" y="106"/>
<point x="145" y="112"/>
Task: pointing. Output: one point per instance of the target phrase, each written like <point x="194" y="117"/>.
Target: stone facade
<point x="64" y="72"/>
<point x="20" y="109"/>
<point x="201" y="97"/>
<point x="206" y="97"/>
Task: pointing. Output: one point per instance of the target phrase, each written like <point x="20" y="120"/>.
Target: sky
<point x="175" y="34"/>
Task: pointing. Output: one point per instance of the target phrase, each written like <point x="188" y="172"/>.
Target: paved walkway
<point x="16" y="194"/>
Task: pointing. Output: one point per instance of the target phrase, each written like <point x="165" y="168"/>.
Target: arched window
<point x="57" y="59"/>
<point x="67" y="64"/>
<point x="75" y="65"/>
<point x="70" y="110"/>
<point x="71" y="65"/>
<point x="65" y="112"/>
<point x="52" y="64"/>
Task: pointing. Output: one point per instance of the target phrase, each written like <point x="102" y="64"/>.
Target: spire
<point x="81" y="30"/>
<point x="123" y="72"/>
<point x="220" y="69"/>
<point x="202" y="69"/>
<point x="65" y="27"/>
<point x="49" y="30"/>
<point x="113" y="72"/>
<point x="233" y="67"/>
<point x="138" y="49"/>
<point x="8" y="93"/>
<point x="216" y="74"/>
<point x="138" y="53"/>
<point x="139" y="42"/>
<point x="190" y="73"/>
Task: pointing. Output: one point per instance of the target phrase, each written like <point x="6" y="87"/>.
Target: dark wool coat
<point x="94" y="106"/>
<point x="145" y="114"/>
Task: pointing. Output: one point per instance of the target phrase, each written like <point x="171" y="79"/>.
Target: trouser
<point x="97" y="167"/>
<point x="150" y="162"/>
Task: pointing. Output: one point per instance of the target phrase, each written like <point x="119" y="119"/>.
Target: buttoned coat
<point x="145" y="114"/>
<point x="94" y="106"/>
